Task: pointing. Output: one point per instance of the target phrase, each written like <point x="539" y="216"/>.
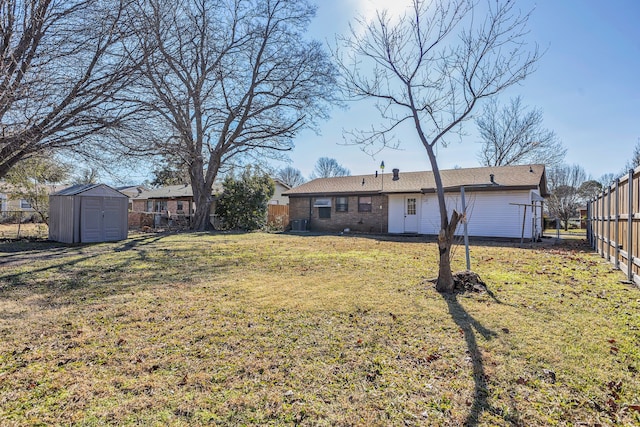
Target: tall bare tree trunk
<point x="201" y="186"/>
<point x="201" y="218"/>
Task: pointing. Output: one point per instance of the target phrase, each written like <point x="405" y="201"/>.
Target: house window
<point x="324" y="213"/>
<point x="179" y="207"/>
<point x="149" y="206"/>
<point x="364" y="204"/>
<point x="411" y="206"/>
<point x="24" y="204"/>
<point x="342" y="204"/>
<point x="324" y="208"/>
<point x="160" y="205"/>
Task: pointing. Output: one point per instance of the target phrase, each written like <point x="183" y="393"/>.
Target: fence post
<point x="609" y="224"/>
<point x="594" y="223"/>
<point x="602" y="212"/>
<point x="616" y="232"/>
<point x="630" y="230"/>
<point x="589" y="223"/>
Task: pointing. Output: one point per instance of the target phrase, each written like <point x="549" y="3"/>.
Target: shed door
<point x="410" y="215"/>
<point x="91" y="220"/>
<point x="113" y="218"/>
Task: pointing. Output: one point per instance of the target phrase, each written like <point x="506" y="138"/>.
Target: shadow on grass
<point x="579" y="244"/>
<point x="469" y="327"/>
<point x="26" y="253"/>
<point x="81" y="272"/>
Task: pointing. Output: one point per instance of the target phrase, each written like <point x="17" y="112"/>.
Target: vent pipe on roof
<point x="396" y="171"/>
<point x="491" y="178"/>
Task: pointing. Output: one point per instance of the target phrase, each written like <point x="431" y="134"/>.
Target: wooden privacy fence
<point x="613" y="224"/>
<point x="278" y="216"/>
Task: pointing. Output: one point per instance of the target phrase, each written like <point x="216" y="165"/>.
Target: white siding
<point x="396" y="212"/>
<point x="430" y="212"/>
<point x="278" y="198"/>
<point x="490" y="214"/>
<point x="496" y="215"/>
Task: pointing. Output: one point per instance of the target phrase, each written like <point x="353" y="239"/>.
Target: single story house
<point x="170" y="199"/>
<point x="131" y="191"/>
<point x="171" y="204"/>
<point x="278" y="198"/>
<point x="12" y="203"/>
<point x="504" y="201"/>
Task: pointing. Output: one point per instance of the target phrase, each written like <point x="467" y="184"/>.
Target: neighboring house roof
<point x="282" y="183"/>
<point x="504" y="177"/>
<point x="131" y="190"/>
<point x="172" y="192"/>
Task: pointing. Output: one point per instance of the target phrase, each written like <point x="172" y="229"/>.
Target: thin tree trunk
<point x="445" y="281"/>
<point x="447" y="227"/>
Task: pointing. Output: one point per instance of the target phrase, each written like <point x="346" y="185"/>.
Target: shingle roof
<point x="173" y="192"/>
<point x="504" y="177"/>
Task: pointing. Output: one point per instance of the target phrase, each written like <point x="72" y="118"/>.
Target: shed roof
<point x="504" y="178"/>
<point x="90" y="190"/>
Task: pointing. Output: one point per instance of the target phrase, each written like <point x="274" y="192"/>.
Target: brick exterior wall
<point x="172" y="206"/>
<point x="358" y="222"/>
<point x="138" y="220"/>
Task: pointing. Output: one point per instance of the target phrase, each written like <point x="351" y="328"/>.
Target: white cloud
<point x="368" y="8"/>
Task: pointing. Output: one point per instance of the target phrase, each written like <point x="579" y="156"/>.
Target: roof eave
<point x="330" y="193"/>
<point x="469" y="188"/>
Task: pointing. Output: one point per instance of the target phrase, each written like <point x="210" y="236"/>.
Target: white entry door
<point x="410" y="215"/>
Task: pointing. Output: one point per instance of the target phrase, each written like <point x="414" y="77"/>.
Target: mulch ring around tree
<point x="466" y="281"/>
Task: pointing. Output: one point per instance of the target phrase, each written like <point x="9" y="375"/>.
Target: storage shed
<point x="88" y="213"/>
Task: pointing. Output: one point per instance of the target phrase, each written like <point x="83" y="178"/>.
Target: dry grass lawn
<point x="29" y="230"/>
<point x="277" y="329"/>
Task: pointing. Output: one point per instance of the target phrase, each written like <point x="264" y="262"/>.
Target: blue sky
<point x="587" y="85"/>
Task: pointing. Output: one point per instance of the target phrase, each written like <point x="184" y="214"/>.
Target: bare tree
<point x="512" y="135"/>
<point x="429" y="68"/>
<point x="327" y="168"/>
<point x="565" y="197"/>
<point x="634" y="161"/>
<point x="290" y="176"/>
<point x="607" y="179"/>
<point x="87" y="175"/>
<point x="227" y="80"/>
<point x="61" y="69"/>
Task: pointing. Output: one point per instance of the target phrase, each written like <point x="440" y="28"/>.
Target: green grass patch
<point x="276" y="329"/>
